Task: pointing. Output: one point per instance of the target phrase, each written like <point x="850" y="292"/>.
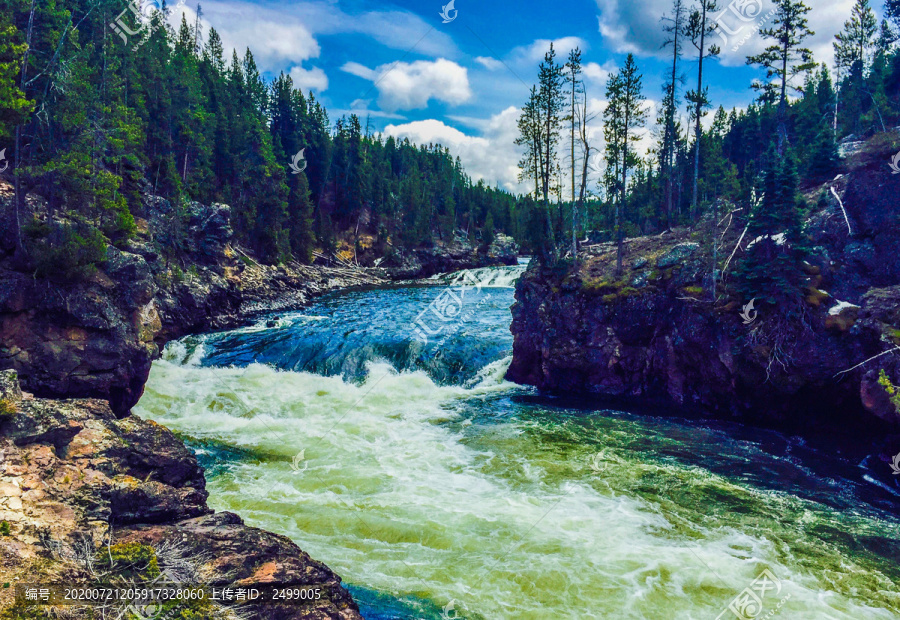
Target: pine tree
<point x="852" y="45"/>
<point x="785" y="59"/>
<point x="771" y="267"/>
<point x="852" y="50"/>
<point x="624" y="114"/>
<point x="675" y="26"/>
<point x="698" y="28"/>
<point x="14" y="106"/>
<point x="892" y="11"/>
<point x="550" y="106"/>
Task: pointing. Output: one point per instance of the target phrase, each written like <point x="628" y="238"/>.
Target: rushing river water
<point x="436" y="489"/>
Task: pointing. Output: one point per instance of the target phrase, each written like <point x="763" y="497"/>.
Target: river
<point x="438" y="490"/>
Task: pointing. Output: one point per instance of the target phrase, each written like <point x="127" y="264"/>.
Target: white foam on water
<point x="400" y="495"/>
<point x="485" y="277"/>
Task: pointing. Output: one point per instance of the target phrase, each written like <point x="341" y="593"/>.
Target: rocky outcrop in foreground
<point x="657" y="333"/>
<point x="78" y="485"/>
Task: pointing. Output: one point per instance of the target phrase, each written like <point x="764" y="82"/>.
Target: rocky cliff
<point x="80" y="487"/>
<point x="658" y="333"/>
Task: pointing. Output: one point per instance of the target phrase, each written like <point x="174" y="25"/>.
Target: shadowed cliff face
<point x="97" y="336"/>
<point x="658" y="333"/>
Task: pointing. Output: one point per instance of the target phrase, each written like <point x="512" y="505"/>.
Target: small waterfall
<point x="486" y="277"/>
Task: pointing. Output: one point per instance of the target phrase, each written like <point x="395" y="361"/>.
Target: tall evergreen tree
<point x="674" y="28"/>
<point x="624" y="115"/>
<point x="576" y="87"/>
<point x="786" y="58"/>
<point x="550" y="101"/>
<point x="699" y="27"/>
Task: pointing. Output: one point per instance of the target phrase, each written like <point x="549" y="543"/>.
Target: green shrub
<point x="7" y="408"/>
<point x="4" y="528"/>
<point x="892" y="391"/>
<point x="177" y="274"/>
<point x="131" y="560"/>
<point x="69" y="251"/>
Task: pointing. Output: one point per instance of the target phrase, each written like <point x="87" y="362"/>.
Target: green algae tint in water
<point x="470" y="495"/>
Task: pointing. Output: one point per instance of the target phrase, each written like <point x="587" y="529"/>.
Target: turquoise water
<point x="438" y="490"/>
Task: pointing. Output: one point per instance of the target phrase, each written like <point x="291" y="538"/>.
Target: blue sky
<point x="461" y="83"/>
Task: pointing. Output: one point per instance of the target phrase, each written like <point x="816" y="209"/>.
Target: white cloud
<point x="492" y="156"/>
<point x="399" y="30"/>
<point x="491" y="64"/>
<point x="826" y="19"/>
<point x="599" y="74"/>
<point x="275" y="38"/>
<point x="409" y="86"/>
<point x="286" y="30"/>
<point x="534" y="53"/>
<point x="354" y="68"/>
<point x="629" y="26"/>
<point x="309" y="79"/>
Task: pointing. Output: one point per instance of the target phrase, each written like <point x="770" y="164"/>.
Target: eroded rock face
<point x="658" y="333"/>
<point x="98" y="337"/>
<point x="71" y="474"/>
<point x="247" y="556"/>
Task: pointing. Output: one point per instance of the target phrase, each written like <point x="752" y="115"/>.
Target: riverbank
<point x="79" y="472"/>
<point x="658" y="333"/>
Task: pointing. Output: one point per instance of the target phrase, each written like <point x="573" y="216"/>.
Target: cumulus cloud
<point x="276" y="39"/>
<point x="491" y="156"/>
<point x="263" y="25"/>
<point x="491" y="64"/>
<point x="599" y="74"/>
<point x="534" y="53"/>
<point x="410" y="86"/>
<point x="490" y="153"/>
<point x="635" y="27"/>
<point x="309" y="79"/>
<point x="740" y="39"/>
<point x="629" y="26"/>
